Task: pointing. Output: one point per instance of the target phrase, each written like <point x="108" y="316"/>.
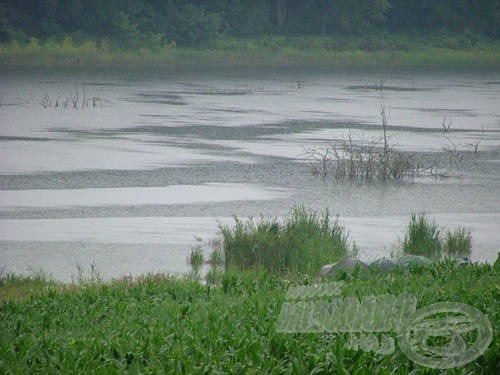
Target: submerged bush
<point x="343" y="160"/>
<point x="303" y="242"/>
<point x="375" y="160"/>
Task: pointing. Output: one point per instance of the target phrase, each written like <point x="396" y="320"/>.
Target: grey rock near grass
<point x="408" y="260"/>
<point x="346" y="263"/>
<point x="383" y="264"/>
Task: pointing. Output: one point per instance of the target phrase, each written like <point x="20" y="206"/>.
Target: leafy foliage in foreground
<point x="302" y="243"/>
<point x="159" y="324"/>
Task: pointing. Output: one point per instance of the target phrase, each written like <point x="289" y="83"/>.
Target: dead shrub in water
<point x="374" y="160"/>
<point x="73" y="99"/>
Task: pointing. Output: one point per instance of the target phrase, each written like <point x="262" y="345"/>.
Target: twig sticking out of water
<point x="345" y="160"/>
<point x="46" y="101"/>
<point x="374" y="160"/>
<point x="446" y="125"/>
<point x="74" y="99"/>
<point x="300" y="83"/>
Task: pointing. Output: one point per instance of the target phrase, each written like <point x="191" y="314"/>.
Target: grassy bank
<point x="305" y="50"/>
<point x="159" y="324"/>
<point x="179" y="325"/>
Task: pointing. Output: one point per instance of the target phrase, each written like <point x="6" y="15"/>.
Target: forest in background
<point x="196" y="23"/>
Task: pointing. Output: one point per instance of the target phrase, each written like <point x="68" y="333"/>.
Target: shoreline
<point x="272" y="52"/>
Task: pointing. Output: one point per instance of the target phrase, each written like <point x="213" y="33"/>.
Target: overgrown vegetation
<point x="303" y="242"/>
<point x="326" y="32"/>
<point x="458" y="242"/>
<point x="424" y="237"/>
<point x="162" y="324"/>
<point x="338" y="50"/>
<point x="165" y="324"/>
<point x="153" y="23"/>
<point x="195" y="259"/>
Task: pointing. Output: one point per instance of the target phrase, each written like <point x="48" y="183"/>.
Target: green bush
<point x="458" y="242"/>
<point x="422" y="237"/>
<point x="303" y="242"/>
<point x="195" y="259"/>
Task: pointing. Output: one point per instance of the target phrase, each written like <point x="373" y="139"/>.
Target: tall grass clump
<point x="216" y="260"/>
<point x="424" y="237"/>
<point x="195" y="260"/>
<point x="302" y="243"/>
<point x="458" y="242"/>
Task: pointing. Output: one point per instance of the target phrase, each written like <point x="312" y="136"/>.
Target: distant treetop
<point x="132" y="23"/>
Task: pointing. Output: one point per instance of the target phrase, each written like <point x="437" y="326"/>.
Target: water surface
<point x="167" y="153"/>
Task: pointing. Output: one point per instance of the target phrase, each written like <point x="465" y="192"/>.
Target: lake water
<point x="168" y="152"/>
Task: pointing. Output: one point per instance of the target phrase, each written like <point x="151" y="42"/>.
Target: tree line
<point x="198" y="22"/>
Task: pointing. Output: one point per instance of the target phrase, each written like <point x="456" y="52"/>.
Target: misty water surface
<point x="166" y="153"/>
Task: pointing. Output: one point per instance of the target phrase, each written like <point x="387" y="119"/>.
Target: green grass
<point x="160" y="324"/>
<point x="17" y="288"/>
<point x="374" y="50"/>
<point x="424" y="237"/>
<point x="303" y="243"/>
<point x="458" y="242"/>
<point x="195" y="258"/>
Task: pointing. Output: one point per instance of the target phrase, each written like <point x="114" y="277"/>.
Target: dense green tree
<point x="199" y="22"/>
<point x="425" y="16"/>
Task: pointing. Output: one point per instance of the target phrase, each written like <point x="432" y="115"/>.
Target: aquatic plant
<point x="195" y="259"/>
<point x="458" y="242"/>
<point x="216" y="261"/>
<point x="303" y="242"/>
<point x="424" y="237"/>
